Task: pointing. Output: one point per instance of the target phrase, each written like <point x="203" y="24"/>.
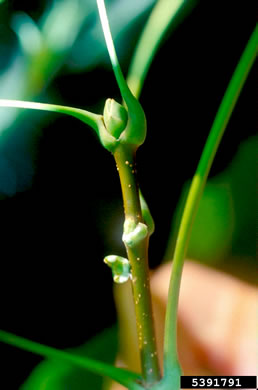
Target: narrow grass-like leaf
<point x="111" y="49"/>
<point x="93" y="120"/>
<point x="217" y="130"/>
<point x="166" y="13"/>
<point x="59" y="375"/>
<point x="85" y="116"/>
<point x="125" y="377"/>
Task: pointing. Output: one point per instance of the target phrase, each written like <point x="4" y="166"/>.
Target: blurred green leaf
<point x="43" y="48"/>
<point x="225" y="220"/>
<point x="213" y="227"/>
<point x="90" y="48"/>
<point x="54" y="375"/>
<point x="165" y="14"/>
<point x="242" y="174"/>
<point x="28" y="33"/>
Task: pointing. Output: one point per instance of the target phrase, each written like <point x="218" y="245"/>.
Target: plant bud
<point x="120" y="266"/>
<point x="115" y="117"/>
<point x="131" y="237"/>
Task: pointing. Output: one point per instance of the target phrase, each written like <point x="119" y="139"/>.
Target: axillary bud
<point x="120" y="266"/>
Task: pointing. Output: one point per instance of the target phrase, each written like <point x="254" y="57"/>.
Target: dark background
<point x="54" y="286"/>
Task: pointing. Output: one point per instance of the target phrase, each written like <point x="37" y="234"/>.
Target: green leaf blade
<point x="122" y="376"/>
<point x="56" y="375"/>
<point x="87" y="117"/>
<point x="164" y="14"/>
<point x="196" y="190"/>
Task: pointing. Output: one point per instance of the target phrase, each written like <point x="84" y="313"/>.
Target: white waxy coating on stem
<point x="133" y="237"/>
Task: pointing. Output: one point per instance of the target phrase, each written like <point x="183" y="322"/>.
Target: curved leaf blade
<point x="55" y="375"/>
<point x="165" y="13"/>
<point x="120" y="375"/>
<point x="85" y="116"/>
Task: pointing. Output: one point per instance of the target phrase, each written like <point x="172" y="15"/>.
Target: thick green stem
<point x="221" y="120"/>
<point x="138" y="257"/>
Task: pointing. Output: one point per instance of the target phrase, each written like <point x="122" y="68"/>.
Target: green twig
<point x="136" y="234"/>
<point x="136" y="239"/>
<point x="125" y="377"/>
<point x="217" y="130"/>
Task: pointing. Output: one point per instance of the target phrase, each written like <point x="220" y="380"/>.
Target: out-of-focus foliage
<point x="90" y="48"/>
<point x="225" y="218"/>
<point x="212" y="231"/>
<point x="32" y="62"/>
<point x="166" y="15"/>
<point x="242" y="176"/>
<point x="56" y="375"/>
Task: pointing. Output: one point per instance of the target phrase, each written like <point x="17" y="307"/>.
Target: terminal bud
<point x="115" y="117"/>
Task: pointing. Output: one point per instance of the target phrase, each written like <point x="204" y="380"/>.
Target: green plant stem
<point x="217" y="130"/>
<point x="125" y="377"/>
<point x="124" y="155"/>
<point x="138" y="257"/>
